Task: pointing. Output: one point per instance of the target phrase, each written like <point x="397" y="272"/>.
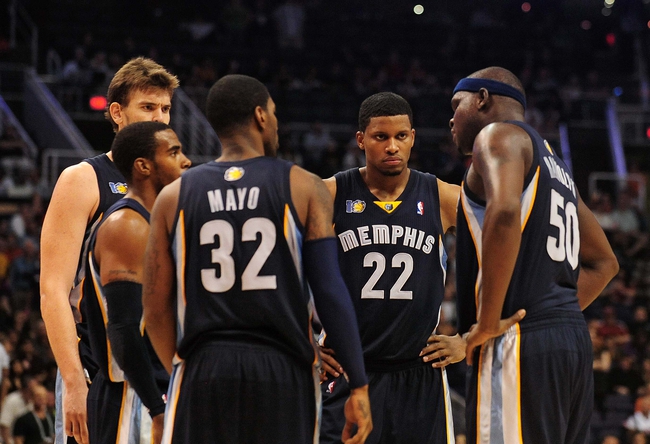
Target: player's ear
<point x="483" y="98"/>
<point x="260" y="116"/>
<point x="142" y="166"/>
<point x="115" y="110"/>
<point x="360" y="137"/>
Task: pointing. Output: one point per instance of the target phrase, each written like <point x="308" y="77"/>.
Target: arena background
<point x="584" y="64"/>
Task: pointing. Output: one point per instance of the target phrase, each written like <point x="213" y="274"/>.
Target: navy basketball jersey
<point x="96" y="308"/>
<point x="393" y="260"/>
<point x="237" y="243"/>
<point x="546" y="272"/>
<point x="112" y="187"/>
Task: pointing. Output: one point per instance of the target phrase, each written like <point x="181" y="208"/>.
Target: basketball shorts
<point x="533" y="384"/>
<point x="115" y="414"/>
<point x="408" y="406"/>
<point x="232" y="392"/>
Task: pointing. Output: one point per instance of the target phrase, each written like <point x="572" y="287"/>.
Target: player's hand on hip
<point x="74" y="412"/>
<point x="443" y="350"/>
<point x="357" y="411"/>
<point x="330" y="365"/>
<point x="157" y="428"/>
<point x="477" y="336"/>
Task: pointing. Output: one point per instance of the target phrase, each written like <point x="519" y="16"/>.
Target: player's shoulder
<point x="79" y="172"/>
<point x="123" y="224"/>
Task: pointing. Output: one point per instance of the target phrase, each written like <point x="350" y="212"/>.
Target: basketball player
<point x="229" y="242"/>
<point x="140" y="90"/>
<point x="390" y="221"/>
<point x="149" y="155"/>
<point x="524" y="233"/>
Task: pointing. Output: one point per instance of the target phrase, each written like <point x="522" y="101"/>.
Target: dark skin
<point x="501" y="157"/>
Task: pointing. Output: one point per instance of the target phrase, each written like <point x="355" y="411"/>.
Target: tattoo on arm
<point x="124" y="274"/>
<point x="363" y="407"/>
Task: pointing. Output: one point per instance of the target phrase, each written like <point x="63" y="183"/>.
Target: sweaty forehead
<point x="389" y="123"/>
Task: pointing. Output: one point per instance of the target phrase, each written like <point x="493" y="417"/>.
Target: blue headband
<point x="493" y="87"/>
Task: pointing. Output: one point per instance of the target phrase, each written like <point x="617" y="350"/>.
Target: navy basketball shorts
<point x="233" y="392"/>
<point x="116" y="414"/>
<point x="408" y="406"/>
<point x="533" y="384"/>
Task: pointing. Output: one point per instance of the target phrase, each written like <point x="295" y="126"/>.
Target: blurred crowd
<point x="319" y="62"/>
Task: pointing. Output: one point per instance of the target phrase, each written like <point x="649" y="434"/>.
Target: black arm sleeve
<point x="334" y="306"/>
<point x="124" y="301"/>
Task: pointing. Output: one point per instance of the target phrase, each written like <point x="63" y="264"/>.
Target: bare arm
<point x="498" y="161"/>
<point x="158" y="292"/>
<point x="597" y="260"/>
<point x="448" y="194"/>
<point x="120" y="245"/>
<point x="74" y="200"/>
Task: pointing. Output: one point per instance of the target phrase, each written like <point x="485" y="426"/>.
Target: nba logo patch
<point x="233" y="173"/>
<point x="355" y="206"/>
<point x="420" y="208"/>
<point x="118" y="187"/>
<point x="330" y="386"/>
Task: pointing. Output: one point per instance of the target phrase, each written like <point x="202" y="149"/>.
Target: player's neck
<point x="385" y="188"/>
<point x="240" y="147"/>
<point x="146" y="196"/>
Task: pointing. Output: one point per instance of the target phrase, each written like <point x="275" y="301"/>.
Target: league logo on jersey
<point x="355" y="206"/>
<point x="233" y="173"/>
<point x="118" y="187"/>
<point x="420" y="208"/>
<point x="330" y="386"/>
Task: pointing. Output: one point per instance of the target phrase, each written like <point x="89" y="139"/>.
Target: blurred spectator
<point x="24" y="276"/>
<point x="316" y="143"/>
<point x="625" y="375"/>
<point x="14" y="379"/>
<point x="631" y="228"/>
<point x="612" y="328"/>
<point x="37" y="425"/>
<point x="76" y="71"/>
<point x="289" y="20"/>
<point x="14" y="406"/>
<point x="354" y="157"/>
<point x="199" y="28"/>
<point x="640" y="420"/>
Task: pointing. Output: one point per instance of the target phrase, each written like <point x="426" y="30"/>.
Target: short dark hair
<point x="140" y="73"/>
<point x="383" y="104"/>
<point x="135" y="140"/>
<point x="232" y="101"/>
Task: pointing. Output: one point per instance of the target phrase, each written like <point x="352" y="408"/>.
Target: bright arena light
<point x="418" y="9"/>
<point x="525" y="7"/>
<point x="609" y="3"/>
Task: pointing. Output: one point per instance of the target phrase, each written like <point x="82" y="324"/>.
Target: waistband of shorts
<point x="553" y="318"/>
<point x="393" y="366"/>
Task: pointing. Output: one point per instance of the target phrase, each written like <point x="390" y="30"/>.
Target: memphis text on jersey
<point x="383" y="234"/>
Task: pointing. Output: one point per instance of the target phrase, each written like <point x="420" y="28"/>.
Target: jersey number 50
<point x="250" y="278"/>
<point x="567" y="244"/>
